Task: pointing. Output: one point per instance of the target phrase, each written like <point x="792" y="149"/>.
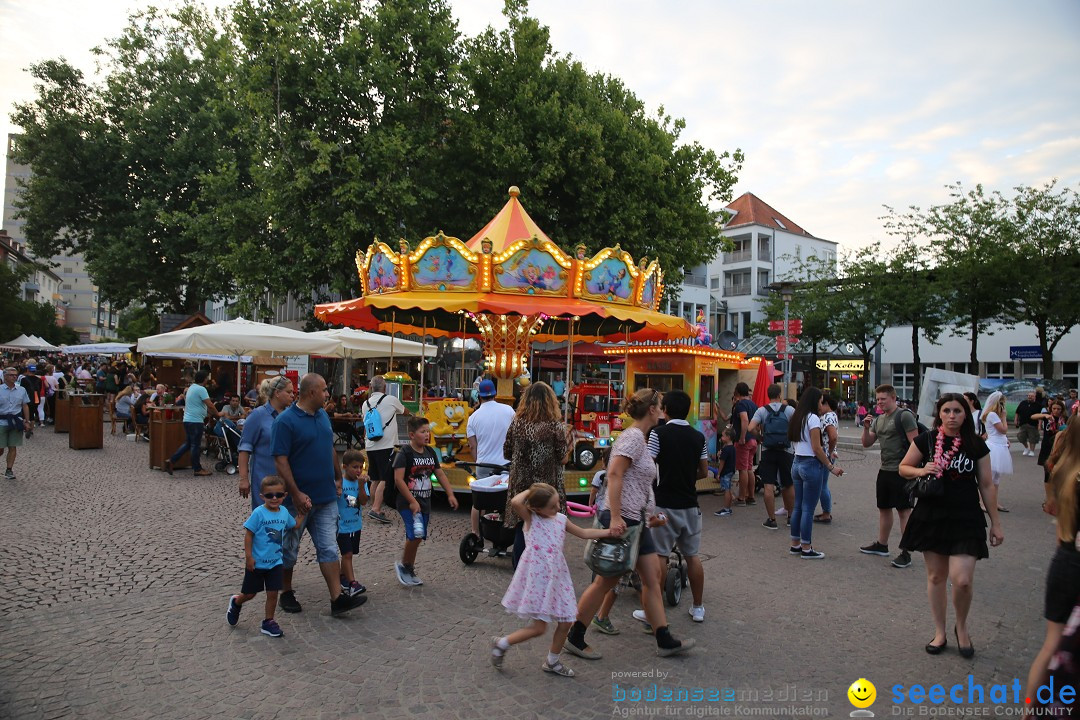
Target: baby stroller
<point x="489" y="497"/>
<point x="224" y="441"/>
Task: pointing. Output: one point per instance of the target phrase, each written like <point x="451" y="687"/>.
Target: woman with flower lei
<point x="949" y="529"/>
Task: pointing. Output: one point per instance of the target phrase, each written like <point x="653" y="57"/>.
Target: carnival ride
<point x="509" y="285"/>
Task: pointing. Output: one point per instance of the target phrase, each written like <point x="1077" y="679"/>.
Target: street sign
<point x="794" y="326"/>
<point x="1025" y="352"/>
<point x="781" y="344"/>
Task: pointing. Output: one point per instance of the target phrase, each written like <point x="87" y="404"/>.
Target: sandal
<point x="822" y="519"/>
<point x="1001" y="509"/>
<point x="557" y="669"/>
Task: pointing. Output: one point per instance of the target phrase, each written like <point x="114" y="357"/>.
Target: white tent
<point x="97" y="349"/>
<point x="357" y="345"/>
<point x="20" y="343"/>
<point x="43" y="344"/>
<point x="238" y="338"/>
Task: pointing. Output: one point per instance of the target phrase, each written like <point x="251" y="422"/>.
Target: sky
<point x="840" y="107"/>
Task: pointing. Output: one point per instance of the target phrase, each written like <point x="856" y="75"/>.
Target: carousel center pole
<point x="569" y="369"/>
<point x="423" y="358"/>
<point x="393" y="323"/>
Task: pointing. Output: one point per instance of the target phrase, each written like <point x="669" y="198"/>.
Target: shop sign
<point x="840" y="365"/>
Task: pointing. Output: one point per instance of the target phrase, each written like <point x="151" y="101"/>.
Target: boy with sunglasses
<point x="263" y="533"/>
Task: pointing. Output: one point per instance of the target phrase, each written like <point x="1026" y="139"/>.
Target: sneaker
<point x="751" y="501"/>
<point x="557" y="669"/>
<point x="770" y="524"/>
<point x="605" y="626"/>
<point x="697" y="612"/>
<point x="413" y="580"/>
<point x="587" y="652"/>
<point x="289" y="603"/>
<point x="781" y="511"/>
<point x="203" y="472"/>
<point x="232" y="616"/>
<point x="739" y="503"/>
<point x="9" y="474"/>
<point x="344" y="602"/>
<point x="355" y="588"/>
<point x="795" y="549"/>
<point x="811" y="554"/>
<point x="875" y="548"/>
<point x="639" y="615"/>
<point x="168" y="466"/>
<point x="344" y="583"/>
<point x="497" y="654"/>
<point x="402" y="575"/>
<point x="682" y="647"/>
<point x="902" y="560"/>
<point x="378" y="517"/>
<point x="271" y="628"/>
<point x="722" y="512"/>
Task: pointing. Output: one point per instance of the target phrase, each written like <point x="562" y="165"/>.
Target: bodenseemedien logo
<point x="861" y="695"/>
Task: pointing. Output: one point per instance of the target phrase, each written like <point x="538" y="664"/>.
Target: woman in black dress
<point x="950" y="529"/>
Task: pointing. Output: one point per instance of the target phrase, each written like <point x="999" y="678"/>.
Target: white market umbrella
<point x="358" y="345"/>
<point x="238" y="338"/>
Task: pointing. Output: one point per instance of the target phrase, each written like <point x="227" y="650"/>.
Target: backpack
<point x="774" y="430"/>
<point x="919" y="427"/>
<point x="373" y="423"/>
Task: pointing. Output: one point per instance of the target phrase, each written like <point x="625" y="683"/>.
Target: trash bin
<point x="62" y="421"/>
<point x="86" y="422"/>
<point x="167" y="434"/>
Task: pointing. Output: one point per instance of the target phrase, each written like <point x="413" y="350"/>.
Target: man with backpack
<point x="771" y="423"/>
<point x="895" y="428"/>
<point x="380" y="413"/>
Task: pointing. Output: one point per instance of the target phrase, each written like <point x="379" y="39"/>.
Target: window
<point x="714" y="282"/>
<point x="903" y="379"/>
<point x="1031" y="369"/>
<point x="745" y="321"/>
<point x="740" y="252"/>
<point x="696" y="276"/>
<point x="737" y="283"/>
<point x="778" y="222"/>
<point x="764" y="277"/>
<point x="764" y="247"/>
<point x="1070" y="373"/>
<point x="95" y="299"/>
<point x="67" y="271"/>
<point x="964" y="367"/>
<point x="67" y="286"/>
<point x="733" y="323"/>
<point x="999" y="370"/>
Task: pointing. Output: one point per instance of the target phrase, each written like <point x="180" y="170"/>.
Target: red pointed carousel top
<point x="508" y="226"/>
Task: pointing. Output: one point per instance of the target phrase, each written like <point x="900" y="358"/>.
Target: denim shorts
<point x="407" y="516"/>
<point x="321" y="525"/>
<point x="725" y="482"/>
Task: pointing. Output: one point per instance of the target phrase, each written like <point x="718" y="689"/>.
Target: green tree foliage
<point x="137" y="321"/>
<point x="24" y="316"/>
<point x="859" y="317"/>
<point x="257" y="151"/>
<point x="1042" y="234"/>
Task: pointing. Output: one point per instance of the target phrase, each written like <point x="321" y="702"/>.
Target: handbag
<point x="924" y="487"/>
<point x="614" y="556"/>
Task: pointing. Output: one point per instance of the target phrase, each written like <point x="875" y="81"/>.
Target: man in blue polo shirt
<point x="302" y="443"/>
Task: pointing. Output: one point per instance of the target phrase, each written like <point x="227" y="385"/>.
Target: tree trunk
<point x="864" y="381"/>
<point x="813" y="363"/>
<point x="1046" y="348"/>
<point x="917" y="358"/>
<point x="975" y="345"/>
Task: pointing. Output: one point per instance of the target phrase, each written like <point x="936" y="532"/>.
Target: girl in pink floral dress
<point x="542" y="590"/>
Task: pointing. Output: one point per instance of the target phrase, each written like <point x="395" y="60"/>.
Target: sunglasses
<point x="274" y="496"/>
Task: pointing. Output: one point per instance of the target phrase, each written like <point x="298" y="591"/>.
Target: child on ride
<point x="542" y="590"/>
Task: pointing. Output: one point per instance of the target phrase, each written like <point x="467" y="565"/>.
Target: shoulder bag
<point x="614" y="556"/>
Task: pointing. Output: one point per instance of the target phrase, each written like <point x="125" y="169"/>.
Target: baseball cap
<point x="486" y="389"/>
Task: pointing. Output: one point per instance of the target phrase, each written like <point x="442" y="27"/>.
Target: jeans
<point x="826" y="496"/>
<point x="321" y="524"/>
<point x="809" y="475"/>
<point x="193" y="445"/>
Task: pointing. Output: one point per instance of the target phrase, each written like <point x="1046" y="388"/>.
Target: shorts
<point x="744" y="454"/>
<point x="379" y="465"/>
<point x="348" y="543"/>
<point x="775" y="465"/>
<point x="9" y="436"/>
<point x="1027" y="435"/>
<point x="1062" y="584"/>
<point x="646" y="546"/>
<point x="270" y="580"/>
<point x="683" y="530"/>
<point x="890" y="491"/>
<point x="407" y="517"/>
<point x="725" y="482"/>
<point x="321" y="525"/>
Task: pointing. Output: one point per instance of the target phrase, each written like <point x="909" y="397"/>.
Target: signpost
<point x="794" y="327"/>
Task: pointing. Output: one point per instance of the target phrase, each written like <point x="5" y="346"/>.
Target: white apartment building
<point x="74" y="295"/>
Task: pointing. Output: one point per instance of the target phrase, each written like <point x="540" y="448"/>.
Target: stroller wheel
<point x="470" y="547"/>
<point x="219" y="465"/>
<point x="230" y="469"/>
<point x="673" y="586"/>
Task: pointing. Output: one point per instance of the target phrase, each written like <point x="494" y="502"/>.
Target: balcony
<point x="737" y="256"/>
<point x="734" y="290"/>
<point x="764" y="290"/>
<point x="695" y="280"/>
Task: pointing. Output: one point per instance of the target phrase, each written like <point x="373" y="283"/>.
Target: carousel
<point x="509" y="285"/>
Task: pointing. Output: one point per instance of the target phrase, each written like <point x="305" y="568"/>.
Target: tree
<point x="1042" y="232"/>
<point x="24" y="316"/>
<point x="859" y="318"/>
<point x="137" y="321"/>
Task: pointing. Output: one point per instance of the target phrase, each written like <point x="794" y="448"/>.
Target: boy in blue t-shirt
<point x="725" y="459"/>
<point x="350" y="522"/>
<point x="263" y="533"/>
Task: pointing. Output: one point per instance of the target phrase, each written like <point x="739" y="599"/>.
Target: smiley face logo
<point x="862" y="693"/>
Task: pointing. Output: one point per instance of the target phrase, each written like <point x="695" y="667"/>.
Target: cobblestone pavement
<point x="115" y="581"/>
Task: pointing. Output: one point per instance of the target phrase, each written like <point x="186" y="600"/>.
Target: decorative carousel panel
<point x="380" y="269"/>
<point x="651" y="286"/>
<point x="443" y="263"/>
<point x="610" y="276"/>
<point x="530" y="268"/>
